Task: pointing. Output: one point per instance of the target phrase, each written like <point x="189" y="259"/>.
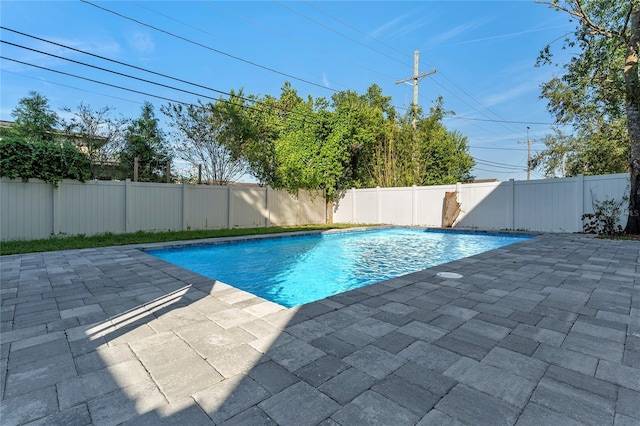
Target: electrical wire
<point x="71" y="87"/>
<point x="502" y="120"/>
<point x="94" y="81"/>
<point x="246" y="61"/>
<point x="145" y="70"/>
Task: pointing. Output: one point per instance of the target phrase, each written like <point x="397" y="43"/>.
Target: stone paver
<point x="544" y="332"/>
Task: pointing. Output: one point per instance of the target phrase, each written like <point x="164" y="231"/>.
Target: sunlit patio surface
<point x="542" y="332"/>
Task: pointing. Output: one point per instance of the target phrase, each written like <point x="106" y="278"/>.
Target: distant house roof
<point x="485" y="180"/>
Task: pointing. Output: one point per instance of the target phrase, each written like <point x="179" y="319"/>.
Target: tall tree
<point x="34" y="119"/>
<point x="99" y="135"/>
<point x="203" y="132"/>
<point x="605" y="71"/>
<point x="145" y="140"/>
<point x="592" y="151"/>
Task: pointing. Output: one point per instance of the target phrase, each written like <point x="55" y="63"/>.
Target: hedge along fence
<point x="36" y="209"/>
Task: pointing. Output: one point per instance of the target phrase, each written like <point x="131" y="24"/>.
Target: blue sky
<point x="484" y="53"/>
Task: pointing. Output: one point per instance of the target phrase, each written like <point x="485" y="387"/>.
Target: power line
<point x="246" y="61"/>
<point x="72" y="87"/>
<point x="502" y="120"/>
<point x="144" y="80"/>
<point x="114" y="61"/>
<point x="145" y="70"/>
<point x="210" y="3"/>
<point x="336" y="31"/>
<point x="507" y="121"/>
<point x="94" y="81"/>
<point x="500" y="149"/>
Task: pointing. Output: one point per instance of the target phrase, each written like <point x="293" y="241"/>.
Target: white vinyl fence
<point x="550" y="205"/>
<point x="37" y="210"/>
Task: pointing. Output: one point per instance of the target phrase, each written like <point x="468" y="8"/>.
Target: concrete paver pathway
<point x="543" y="332"/>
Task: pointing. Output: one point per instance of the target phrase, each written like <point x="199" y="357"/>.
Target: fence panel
<point x="344" y="208"/>
<point x="608" y="187"/>
<point x="37" y="210"/>
<point x="553" y="205"/>
<point x="311" y="207"/>
<point x="366" y="206"/>
<point x="248" y="207"/>
<point x="396" y="206"/>
<point x="27" y="209"/>
<point x="93" y="207"/>
<point x="429" y="203"/>
<point x="283" y="208"/>
<point x="206" y="207"/>
<point x="486" y="205"/>
<point x="153" y="207"/>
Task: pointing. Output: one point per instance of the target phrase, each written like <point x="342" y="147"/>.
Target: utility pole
<point x="529" y="142"/>
<point x="416" y="79"/>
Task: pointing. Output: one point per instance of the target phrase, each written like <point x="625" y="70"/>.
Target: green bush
<point x="604" y="220"/>
<point x="48" y="161"/>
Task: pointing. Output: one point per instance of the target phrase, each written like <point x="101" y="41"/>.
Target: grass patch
<point x="141" y="237"/>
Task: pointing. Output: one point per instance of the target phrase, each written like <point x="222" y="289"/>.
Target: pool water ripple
<point x="295" y="270"/>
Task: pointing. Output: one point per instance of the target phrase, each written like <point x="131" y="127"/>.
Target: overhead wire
<point x="253" y="101"/>
<point x="185" y="39"/>
<point x="159" y="74"/>
<point x="93" y="80"/>
<point x="71" y="87"/>
<point x="440" y="72"/>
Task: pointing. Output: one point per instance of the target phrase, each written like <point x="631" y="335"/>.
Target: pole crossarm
<point x="418" y="78"/>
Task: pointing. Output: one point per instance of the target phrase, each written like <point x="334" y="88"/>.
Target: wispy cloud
<point x="510" y="94"/>
<point x="459" y="30"/>
<point x="398" y="27"/>
<point x="325" y="81"/>
<point x="141" y="42"/>
<point x="509" y="35"/>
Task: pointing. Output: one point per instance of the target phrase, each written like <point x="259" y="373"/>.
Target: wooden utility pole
<point x="529" y="142"/>
<point x="416" y="79"/>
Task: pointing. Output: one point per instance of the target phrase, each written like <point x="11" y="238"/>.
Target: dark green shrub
<point x="48" y="161"/>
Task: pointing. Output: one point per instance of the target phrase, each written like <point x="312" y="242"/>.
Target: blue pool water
<point x="295" y="270"/>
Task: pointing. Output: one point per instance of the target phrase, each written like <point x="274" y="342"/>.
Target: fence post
<point x="229" y="203"/>
<point x="512" y="203"/>
<point x="56" y="209"/>
<point x="414" y="205"/>
<point x="353" y="205"/>
<point x="127" y="206"/>
<point x="580" y="202"/>
<point x="267" y="212"/>
<point x="184" y="206"/>
<point x="379" y="203"/>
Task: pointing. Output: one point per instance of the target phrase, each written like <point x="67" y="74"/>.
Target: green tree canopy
<point x="34" y="119"/>
<point x="145" y="140"/>
<point x="205" y="137"/>
<point x="354" y="140"/>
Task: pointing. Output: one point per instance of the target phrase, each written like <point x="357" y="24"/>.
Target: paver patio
<point x="543" y="332"/>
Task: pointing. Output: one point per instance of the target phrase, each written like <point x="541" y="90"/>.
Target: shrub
<point x="604" y="220"/>
<point x="49" y="161"/>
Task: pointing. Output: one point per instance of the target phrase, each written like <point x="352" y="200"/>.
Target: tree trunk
<point x="632" y="82"/>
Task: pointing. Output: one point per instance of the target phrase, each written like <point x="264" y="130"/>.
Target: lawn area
<point x="104" y="240"/>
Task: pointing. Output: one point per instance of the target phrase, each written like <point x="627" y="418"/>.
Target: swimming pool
<point x="295" y="270"/>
